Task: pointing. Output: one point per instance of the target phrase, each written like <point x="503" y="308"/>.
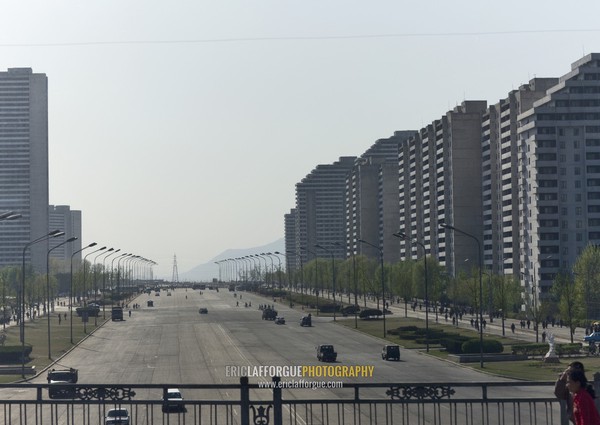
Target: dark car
<point x="117" y="417"/>
<point x="203" y="310"/>
<point x="57" y="380"/>
<point x="280" y="321"/>
<point x="173" y="401"/>
<point x="390" y="352"/>
<point x="326" y="353"/>
<point x="306" y="320"/>
<point x="269" y="314"/>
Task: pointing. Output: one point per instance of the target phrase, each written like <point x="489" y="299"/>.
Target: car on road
<point x="116" y="313"/>
<point x="157" y="294"/>
<point x="168" y="294"/>
<point x="280" y="320"/>
<point x="326" y="353"/>
<point x="57" y="379"/>
<point x="117" y="417"/>
<point x="390" y="352"/>
<point x="203" y="310"/>
<point x="173" y="401"/>
<point x="593" y="337"/>
<point x="306" y="320"/>
<point x="269" y="314"/>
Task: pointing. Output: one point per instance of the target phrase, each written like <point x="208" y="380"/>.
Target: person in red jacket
<point x="584" y="409"/>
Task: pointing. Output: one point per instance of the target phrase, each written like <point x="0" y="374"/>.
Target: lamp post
<point x="85" y="312"/>
<point x="95" y="282"/>
<point x="382" y="279"/>
<point x="71" y="289"/>
<point x="449" y="227"/>
<point x="74" y="238"/>
<point x="316" y="273"/>
<point x="332" y="274"/>
<point x="112" y="276"/>
<point x="503" y="294"/>
<point x="9" y="215"/>
<point x="404" y="236"/>
<point x="121" y="258"/>
<point x="277" y="254"/>
<point x="52" y="234"/>
<point x="104" y="282"/>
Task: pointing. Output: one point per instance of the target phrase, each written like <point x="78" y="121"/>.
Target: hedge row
<point x="12" y="353"/>
<point x="536" y="349"/>
<point x="452" y="342"/>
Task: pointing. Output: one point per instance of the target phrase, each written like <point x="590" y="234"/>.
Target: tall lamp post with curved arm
<point x="112" y="276"/>
<point x="74" y="238"/>
<point x="52" y="234"/>
<point x="96" y="280"/>
<point x="85" y="313"/>
<point x="382" y="279"/>
<point x="104" y="281"/>
<point x="404" y="236"/>
<point x="449" y="227"/>
<point x="9" y="215"/>
<point x="316" y="273"/>
<point x="332" y="276"/>
<point x="71" y="288"/>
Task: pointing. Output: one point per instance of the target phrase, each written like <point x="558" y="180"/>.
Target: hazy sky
<point x="182" y="127"/>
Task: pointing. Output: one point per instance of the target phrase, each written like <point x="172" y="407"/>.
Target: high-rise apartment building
<point x="24" y="165"/>
<point x="500" y="176"/>
<point x="440" y="182"/>
<point x="69" y="221"/>
<point x="559" y="176"/>
<point x="321" y="210"/>
<point x="372" y="199"/>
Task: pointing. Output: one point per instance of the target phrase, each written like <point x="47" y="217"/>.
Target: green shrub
<point x="453" y="343"/>
<point x="369" y="312"/>
<point x="12" y="353"/>
<point x="472" y="346"/>
<point x="533" y="349"/>
<point x="568" y="349"/>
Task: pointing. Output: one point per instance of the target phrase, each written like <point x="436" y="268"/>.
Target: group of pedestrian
<point x="574" y="389"/>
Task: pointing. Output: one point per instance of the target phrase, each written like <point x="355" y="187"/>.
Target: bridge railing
<point x="267" y="403"/>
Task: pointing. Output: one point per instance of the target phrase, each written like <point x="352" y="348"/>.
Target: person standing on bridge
<point x="584" y="408"/>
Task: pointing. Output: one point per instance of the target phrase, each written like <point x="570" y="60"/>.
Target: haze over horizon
<point x="182" y="129"/>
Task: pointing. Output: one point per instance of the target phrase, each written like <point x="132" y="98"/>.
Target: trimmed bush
<point x="329" y="308"/>
<point x="453" y="343"/>
<point x="12" y="353"/>
<point x="472" y="346"/>
<point x="532" y="349"/>
<point x="569" y="349"/>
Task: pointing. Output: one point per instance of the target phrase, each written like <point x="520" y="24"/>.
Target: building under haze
<point x="372" y="212"/>
<point x="24" y="165"/>
<point x="321" y="212"/>
<point x="69" y="221"/>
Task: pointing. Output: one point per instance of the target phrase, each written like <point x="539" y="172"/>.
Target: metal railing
<point x="269" y="403"/>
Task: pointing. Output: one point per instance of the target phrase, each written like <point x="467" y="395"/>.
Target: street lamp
<point x="112" y="276"/>
<point x="6" y="216"/>
<point x="74" y="238"/>
<point x="71" y="289"/>
<point x="449" y="227"/>
<point x="52" y="234"/>
<point x="104" y="282"/>
<point x="316" y="273"/>
<point x="382" y="279"/>
<point x="332" y="274"/>
<point x="95" y="281"/>
<point x="404" y="236"/>
<point x="85" y="312"/>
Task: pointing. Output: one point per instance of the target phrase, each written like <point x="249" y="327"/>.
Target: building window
<point x="578" y="210"/>
<point x="563" y="211"/>
<point x="578" y="224"/>
<point x="577" y="171"/>
<point x="563" y="158"/>
<point x="563" y="197"/>
<point x="578" y="197"/>
<point x="579" y="237"/>
<point x="577" y="184"/>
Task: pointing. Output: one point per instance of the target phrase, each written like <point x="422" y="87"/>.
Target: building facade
<point x="69" y="221"/>
<point x="24" y="166"/>
<point x="321" y="212"/>
<point x="559" y="176"/>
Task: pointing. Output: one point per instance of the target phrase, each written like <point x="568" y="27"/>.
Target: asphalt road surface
<point x="172" y="344"/>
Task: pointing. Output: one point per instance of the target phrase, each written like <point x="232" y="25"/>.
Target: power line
<point x="296" y="38"/>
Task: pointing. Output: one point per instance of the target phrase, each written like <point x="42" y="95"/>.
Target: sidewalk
<point x="561" y="334"/>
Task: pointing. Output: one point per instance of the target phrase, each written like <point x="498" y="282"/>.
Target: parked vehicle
<point x="326" y="353"/>
<point x="150" y="303"/>
<point x="390" y="352"/>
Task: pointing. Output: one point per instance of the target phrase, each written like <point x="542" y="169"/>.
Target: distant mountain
<point x="207" y="271"/>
